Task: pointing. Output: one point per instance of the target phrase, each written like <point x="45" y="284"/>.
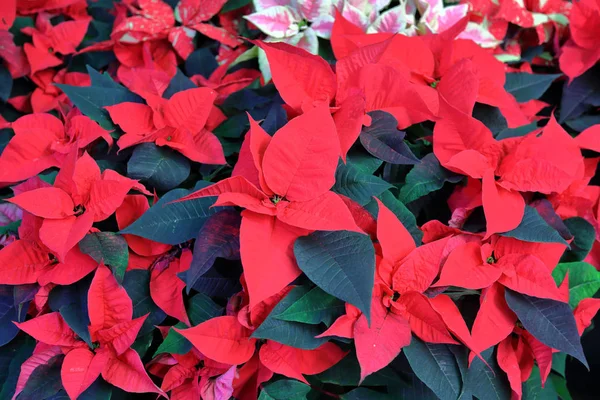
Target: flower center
<point x="276" y="199"/>
<point x="79" y="209"/>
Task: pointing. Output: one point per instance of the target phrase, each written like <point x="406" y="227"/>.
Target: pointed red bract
<point x="108" y="302"/>
<point x="50" y="329"/>
<point x="222" y="339"/>
<point x="267" y="251"/>
<point x="127" y="372"/>
<point x="301" y="78"/>
<point x="379" y="342"/>
<point x="79" y="370"/>
<point x="396" y="242"/>
<point x="299" y="163"/>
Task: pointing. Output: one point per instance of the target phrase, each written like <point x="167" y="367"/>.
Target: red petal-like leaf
<point x="222" y="339"/>
<point x="50" y="202"/>
<point x="301" y="159"/>
<point x="267" y="252"/>
<point x="377" y="345"/>
<point x="127" y="372"/>
<point x="79" y="370"/>
<point x="108" y="302"/>
<point x="50" y="329"/>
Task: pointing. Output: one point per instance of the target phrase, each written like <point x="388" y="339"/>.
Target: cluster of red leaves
<point x="278" y="184"/>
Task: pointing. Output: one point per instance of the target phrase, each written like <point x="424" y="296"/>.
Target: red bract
<point x="42" y="141"/>
<point x="398" y="308"/>
<point x="81" y="195"/>
<point x="111" y="327"/>
<point x="156" y="20"/>
<point x="227" y="339"/>
<point x="50" y="40"/>
<point x="581" y="52"/>
<point x="284" y="184"/>
<point x="546" y="162"/>
<point x="179" y="123"/>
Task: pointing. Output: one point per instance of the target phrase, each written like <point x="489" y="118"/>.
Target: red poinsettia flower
<point x="28" y="260"/>
<point x="547" y="163"/>
<point x="524" y="267"/>
<point x="193" y="376"/>
<point x="111" y="328"/>
<point x="227" y="340"/>
<point x="357" y="87"/>
<point x="179" y="123"/>
<point x="49" y="40"/>
<point x="155" y="19"/>
<point x="581" y="52"/>
<point x="424" y="60"/>
<point x="398" y="307"/>
<point x="81" y="195"/>
<point x="284" y="184"/>
<point x="225" y="84"/>
<point x="42" y="141"/>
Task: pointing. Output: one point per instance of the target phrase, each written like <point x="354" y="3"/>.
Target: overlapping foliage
<point x="290" y="199"/>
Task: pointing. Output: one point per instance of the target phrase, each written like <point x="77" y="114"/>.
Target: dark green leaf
<point x="525" y="86"/>
<point x="72" y="303"/>
<point x="550" y="321"/>
<point x="12" y="356"/>
<point x="487" y="383"/>
<point x="584" y="280"/>
<point x="218" y="237"/>
<point x="201" y="308"/>
<point x="109" y="248"/>
<point x="582" y="123"/>
<point x="424" y="178"/>
<point x="137" y="285"/>
<point x="383" y="140"/>
<point x="491" y="117"/>
<point x="44" y="381"/>
<point x="533" y="228"/>
<point x="91" y="100"/>
<point x="143" y="343"/>
<point x="99" y="390"/>
<point x="516" y="132"/>
<point x="347" y="373"/>
<point x="533" y="390"/>
<point x="560" y="385"/>
<point x="201" y="62"/>
<point x="580" y="94"/>
<point x="362" y="393"/>
<point x="234" y="5"/>
<point x="161" y="167"/>
<point x="559" y="362"/>
<point x="174" y="342"/>
<point x="6" y="82"/>
<point x="584" y="236"/>
<point x="356" y="184"/>
<point x="314" y="307"/>
<point x="174" y="223"/>
<point x="435" y="365"/>
<point x="342" y="263"/>
<point x="295" y="334"/>
<point x="178" y="83"/>
<point x="284" y="389"/>
<point x="10" y="312"/>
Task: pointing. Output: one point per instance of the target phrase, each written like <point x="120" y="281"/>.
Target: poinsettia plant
<point x="299" y="199"/>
